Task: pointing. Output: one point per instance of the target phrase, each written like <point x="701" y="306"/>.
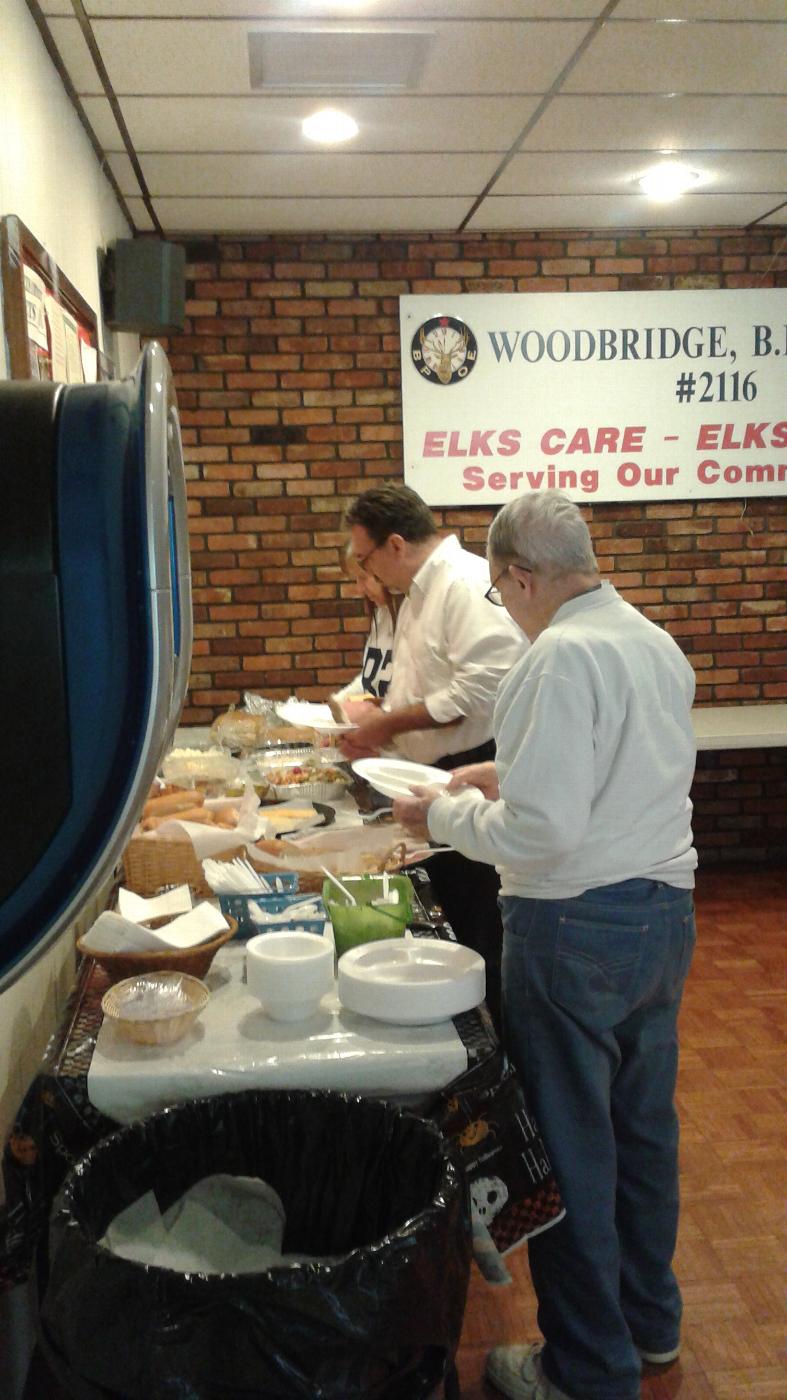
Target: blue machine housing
<point x="95" y="635"/>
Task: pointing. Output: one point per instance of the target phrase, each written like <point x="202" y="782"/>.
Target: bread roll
<point x="240" y="730"/>
<point x="177" y="801"/>
<point x="191" y="814"/>
<point x="274" y="847"/>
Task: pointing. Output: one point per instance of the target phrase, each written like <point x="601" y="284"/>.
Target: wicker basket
<point x="149" y="865"/>
<point x="195" y="961"/>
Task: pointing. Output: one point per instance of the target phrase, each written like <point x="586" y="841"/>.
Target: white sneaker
<point x="516" y="1372"/>
<point x="659" y="1358"/>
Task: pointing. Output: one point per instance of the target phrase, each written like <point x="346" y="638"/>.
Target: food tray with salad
<point x="306" y="776"/>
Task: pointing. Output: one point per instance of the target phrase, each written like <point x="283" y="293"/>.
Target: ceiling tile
<point x="308" y="215"/>
<point x="123" y="171"/>
<point x="336" y="173"/>
<point x="101" y="118"/>
<point x="777" y="216"/>
<point x="661" y="123"/>
<point x="75" y="54"/>
<point x="695" y="9"/>
<point x="618" y="211"/>
<point x="664" y="57"/>
<point x="502" y="58"/>
<point x="273" y="124"/>
<point x="599" y="172"/>
<point x="142" y="220"/>
<point x="203" y="57"/>
<point x="340" y="10"/>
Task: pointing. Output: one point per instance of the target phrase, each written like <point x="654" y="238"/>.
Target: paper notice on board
<point x="89" y="362"/>
<point x="74" y="372"/>
<point x="35" y="295"/>
<point x="57" y="330"/>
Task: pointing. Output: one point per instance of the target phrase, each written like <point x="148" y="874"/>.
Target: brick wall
<point x="288" y="385"/>
<point x="740" y="806"/>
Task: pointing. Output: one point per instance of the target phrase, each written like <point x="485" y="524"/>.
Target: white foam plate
<point x="411" y="981"/>
<point x="394" y="777"/>
<point x="310" y="715"/>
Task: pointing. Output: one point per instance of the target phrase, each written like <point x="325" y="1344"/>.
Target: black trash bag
<point x="374" y="1191"/>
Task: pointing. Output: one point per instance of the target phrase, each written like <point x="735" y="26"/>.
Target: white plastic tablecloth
<point x="233" y="1045"/>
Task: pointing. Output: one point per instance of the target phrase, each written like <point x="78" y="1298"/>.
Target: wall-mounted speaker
<point x="143" y="286"/>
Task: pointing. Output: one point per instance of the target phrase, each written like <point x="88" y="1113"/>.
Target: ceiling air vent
<point x="337" y="60"/>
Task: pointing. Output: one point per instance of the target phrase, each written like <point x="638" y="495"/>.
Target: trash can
<point x="375" y="1193"/>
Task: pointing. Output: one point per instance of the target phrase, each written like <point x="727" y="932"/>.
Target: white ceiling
<point x="521" y="114"/>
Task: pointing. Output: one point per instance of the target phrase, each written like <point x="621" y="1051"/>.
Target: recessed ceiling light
<point x="329" y="126"/>
<point x="668" y="180"/>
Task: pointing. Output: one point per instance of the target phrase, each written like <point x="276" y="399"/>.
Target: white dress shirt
<point x="451" y="650"/>
<point x="595" y="756"/>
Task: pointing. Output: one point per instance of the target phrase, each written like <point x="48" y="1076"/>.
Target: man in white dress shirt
<point x="452" y="648"/>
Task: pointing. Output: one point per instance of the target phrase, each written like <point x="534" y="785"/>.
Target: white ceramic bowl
<point x="289" y="972"/>
<point x="411" y="982"/>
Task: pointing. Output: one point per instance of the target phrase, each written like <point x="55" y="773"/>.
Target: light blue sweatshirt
<point x="595" y="756"/>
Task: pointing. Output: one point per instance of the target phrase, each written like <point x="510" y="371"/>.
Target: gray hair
<point x="545" y="531"/>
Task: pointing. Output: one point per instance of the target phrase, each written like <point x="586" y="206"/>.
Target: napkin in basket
<point x="112" y="933"/>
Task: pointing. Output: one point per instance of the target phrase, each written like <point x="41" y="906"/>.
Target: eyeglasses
<point x="493" y="594"/>
<point x="362" y="559"/>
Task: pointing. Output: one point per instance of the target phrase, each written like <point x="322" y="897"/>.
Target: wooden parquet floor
<point x="731" y="1097"/>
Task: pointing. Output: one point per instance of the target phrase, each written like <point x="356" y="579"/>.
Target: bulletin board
<point x="50" y="331"/>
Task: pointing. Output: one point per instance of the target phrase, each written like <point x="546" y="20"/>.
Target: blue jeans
<point x="591" y="992"/>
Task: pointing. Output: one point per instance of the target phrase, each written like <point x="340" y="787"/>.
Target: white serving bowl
<point x="411" y="981"/>
<point x="289" y="972"/>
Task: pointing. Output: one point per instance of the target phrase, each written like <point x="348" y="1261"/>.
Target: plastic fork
<point x="348" y="896"/>
<point x="260" y="881"/>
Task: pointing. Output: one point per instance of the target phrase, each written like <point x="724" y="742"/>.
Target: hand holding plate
<point x="412" y="812"/>
<point x="478" y="775"/>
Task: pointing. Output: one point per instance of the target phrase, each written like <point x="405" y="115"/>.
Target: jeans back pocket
<point x="595" y="971"/>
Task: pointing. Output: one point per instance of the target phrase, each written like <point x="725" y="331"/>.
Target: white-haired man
<point x="586" y="815"/>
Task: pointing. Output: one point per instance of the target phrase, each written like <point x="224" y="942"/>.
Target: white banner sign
<point x="610" y="396"/>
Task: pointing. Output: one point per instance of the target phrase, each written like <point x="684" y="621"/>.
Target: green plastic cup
<point x="365" y="922"/>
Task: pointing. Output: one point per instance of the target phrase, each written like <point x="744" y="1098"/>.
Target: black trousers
<point x="467" y="891"/>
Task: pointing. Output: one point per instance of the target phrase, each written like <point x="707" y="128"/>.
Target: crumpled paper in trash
<point x="222" y="1225"/>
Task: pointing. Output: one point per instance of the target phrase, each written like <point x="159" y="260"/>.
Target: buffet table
<point x="454" y="1072"/>
<point x="236" y="1046"/>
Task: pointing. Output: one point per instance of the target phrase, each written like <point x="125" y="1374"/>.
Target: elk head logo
<point x="444" y="368"/>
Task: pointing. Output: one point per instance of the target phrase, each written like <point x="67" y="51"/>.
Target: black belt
<point x="483" y="753"/>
